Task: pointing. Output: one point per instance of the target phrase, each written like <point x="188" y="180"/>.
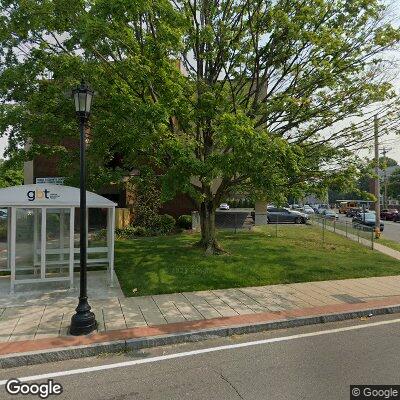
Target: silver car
<point x="277" y="215"/>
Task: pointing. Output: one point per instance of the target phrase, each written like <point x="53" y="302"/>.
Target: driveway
<point x="391" y="231"/>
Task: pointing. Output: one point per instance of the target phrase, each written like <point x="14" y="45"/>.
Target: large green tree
<point x="387" y="162"/>
<point x="11" y="174"/>
<point x="264" y="82"/>
<point x="393" y="186"/>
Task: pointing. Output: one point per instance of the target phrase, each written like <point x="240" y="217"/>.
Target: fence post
<point x="334" y="225"/>
<point x="323" y="230"/>
<point x="372" y="239"/>
<point x="358" y="234"/>
<point x="276" y="225"/>
<point x="346" y="228"/>
<point x="235" y="221"/>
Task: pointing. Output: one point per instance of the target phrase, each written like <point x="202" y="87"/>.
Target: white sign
<point x="49" y="195"/>
<point x="52" y="180"/>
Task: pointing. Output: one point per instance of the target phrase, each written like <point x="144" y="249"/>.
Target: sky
<point x="391" y="141"/>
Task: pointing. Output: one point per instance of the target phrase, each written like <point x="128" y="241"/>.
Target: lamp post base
<point x="83" y="321"/>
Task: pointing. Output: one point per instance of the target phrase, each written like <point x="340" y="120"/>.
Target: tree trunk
<point x="208" y="235"/>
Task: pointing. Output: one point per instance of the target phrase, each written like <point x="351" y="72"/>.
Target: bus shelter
<point x="41" y="242"/>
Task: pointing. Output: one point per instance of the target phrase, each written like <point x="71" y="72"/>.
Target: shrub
<point x="165" y="224"/>
<point x="248" y="203"/>
<point x="141" y="231"/>
<point x="184" y="222"/>
<point x="101" y="235"/>
<point x="130" y="232"/>
<point x="3" y="231"/>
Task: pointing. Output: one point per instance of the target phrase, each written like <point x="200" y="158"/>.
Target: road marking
<point x="197" y="352"/>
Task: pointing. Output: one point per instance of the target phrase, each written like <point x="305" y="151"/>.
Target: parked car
<point x="3" y="214"/>
<point x="224" y="206"/>
<point x="366" y="220"/>
<point x="276" y="215"/>
<point x="329" y="214"/>
<point x="352" y="212"/>
<point x="308" y="209"/>
<point x="390" y="215"/>
<point x="323" y="206"/>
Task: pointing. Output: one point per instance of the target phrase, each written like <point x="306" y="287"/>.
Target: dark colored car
<point x="366" y="220"/>
<point x="390" y="215"/>
<point x="352" y="212"/>
<point x="277" y="215"/>
<point x="3" y="214"/>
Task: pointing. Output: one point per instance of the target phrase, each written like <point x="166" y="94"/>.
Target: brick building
<point x="46" y="169"/>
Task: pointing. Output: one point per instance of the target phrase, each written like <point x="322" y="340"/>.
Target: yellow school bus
<point x="345" y="205"/>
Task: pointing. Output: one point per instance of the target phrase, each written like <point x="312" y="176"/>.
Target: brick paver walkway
<point x="52" y="319"/>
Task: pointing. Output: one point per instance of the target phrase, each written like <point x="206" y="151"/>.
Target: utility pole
<point x="385" y="182"/>
<point x="377" y="184"/>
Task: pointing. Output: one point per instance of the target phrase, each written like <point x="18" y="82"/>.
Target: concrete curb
<point x="72" y="352"/>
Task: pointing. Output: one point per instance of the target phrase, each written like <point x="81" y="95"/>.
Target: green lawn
<point x="171" y="264"/>
<point x="389" y="243"/>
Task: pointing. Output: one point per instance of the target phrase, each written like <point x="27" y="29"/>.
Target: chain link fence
<point x="236" y="220"/>
<point x="228" y="220"/>
<point x="357" y="232"/>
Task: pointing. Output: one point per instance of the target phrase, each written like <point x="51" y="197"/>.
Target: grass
<point x="172" y="264"/>
<point x="389" y="243"/>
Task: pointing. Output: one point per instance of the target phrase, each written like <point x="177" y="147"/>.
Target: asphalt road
<point x="315" y="362"/>
<point x="391" y="230"/>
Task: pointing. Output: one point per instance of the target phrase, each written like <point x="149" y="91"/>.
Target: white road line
<point x="197" y="352"/>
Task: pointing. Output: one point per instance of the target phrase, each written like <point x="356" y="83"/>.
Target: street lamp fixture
<point x="83" y="321"/>
<point x="83" y="96"/>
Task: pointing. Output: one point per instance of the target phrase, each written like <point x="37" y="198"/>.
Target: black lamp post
<point x="84" y="320"/>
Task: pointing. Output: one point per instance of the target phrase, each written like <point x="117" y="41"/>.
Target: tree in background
<point x="362" y="187"/>
<point x="148" y="201"/>
<point x="393" y="187"/>
<point x="387" y="162"/>
<point x="11" y="174"/>
<point x="264" y="83"/>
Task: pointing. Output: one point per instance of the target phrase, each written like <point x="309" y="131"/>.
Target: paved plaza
<point x="49" y="317"/>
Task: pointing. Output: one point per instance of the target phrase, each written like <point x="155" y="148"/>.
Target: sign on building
<point x="51" y="180"/>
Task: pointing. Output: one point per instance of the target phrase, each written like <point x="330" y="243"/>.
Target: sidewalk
<point x="39" y="333"/>
<point x="51" y="320"/>
<point x="366" y="242"/>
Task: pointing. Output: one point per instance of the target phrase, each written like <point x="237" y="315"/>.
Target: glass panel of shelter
<point x="97" y="237"/>
<point x="54" y="257"/>
<point x="97" y="240"/>
<point x="42" y="244"/>
<point x="27" y="243"/>
<point x="57" y="242"/>
<point x="4" y="246"/>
